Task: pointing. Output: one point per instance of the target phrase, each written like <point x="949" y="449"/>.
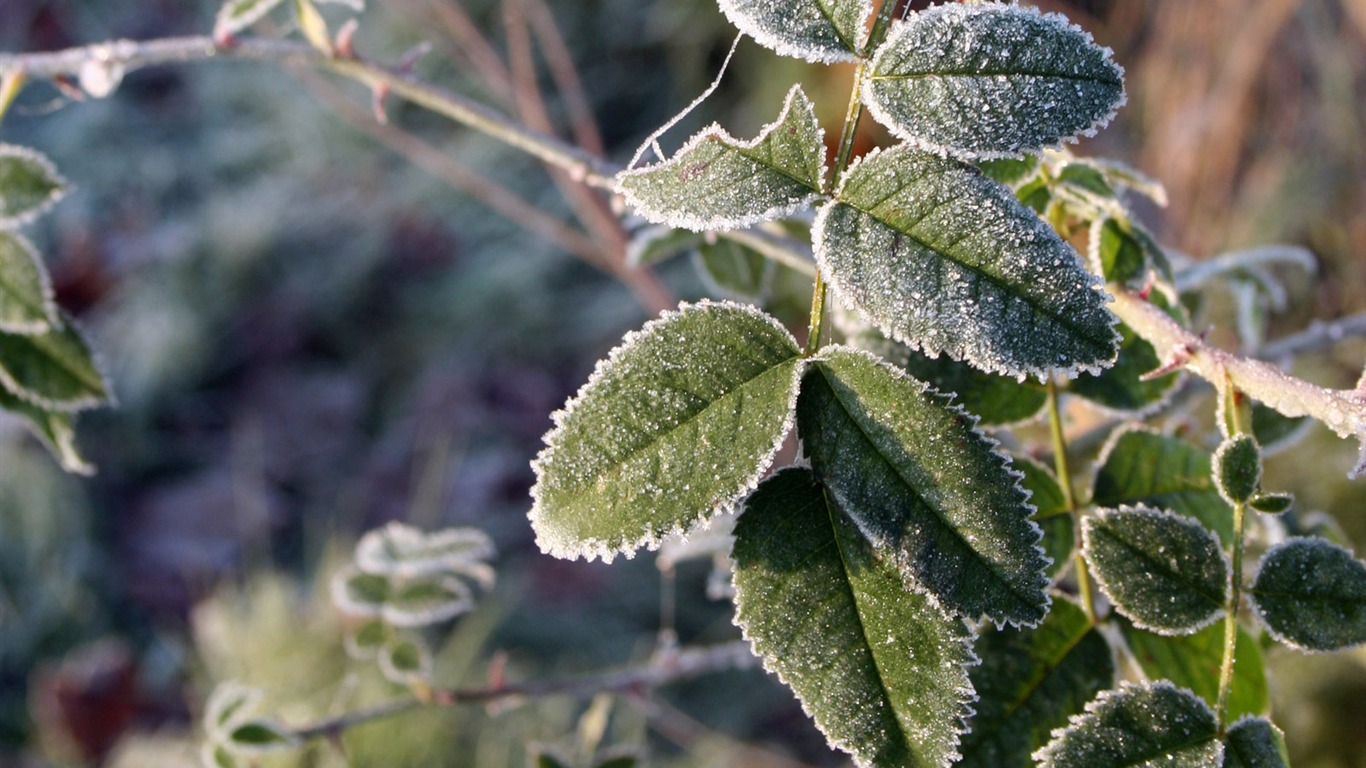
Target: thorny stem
<point x="1069" y="498"/>
<point x="665" y="668"/>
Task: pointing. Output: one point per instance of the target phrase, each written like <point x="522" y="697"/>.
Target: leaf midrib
<point x="1160" y="566"/>
<point x="972" y="74"/>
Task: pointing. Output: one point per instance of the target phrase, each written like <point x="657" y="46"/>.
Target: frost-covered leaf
<point x="1275" y="431"/>
<point x="404" y="551"/>
<point x="656" y="243"/>
<point x="990" y="79"/>
<point x="1138" y="726"/>
<point x="427" y="600"/>
<point x="1030" y="681"/>
<point x="1253" y="742"/>
<point x="1117" y="255"/>
<point x="1238" y="468"/>
<point x="55" y="370"/>
<point x="237" y="15"/>
<point x="1050" y="512"/>
<point x="679" y="421"/>
<point x="260" y="737"/>
<point x="1119" y="176"/>
<point x="1011" y="171"/>
<point x="1193" y="661"/>
<point x="1272" y="503"/>
<point x="1138" y="466"/>
<point x="814" y="30"/>
<point x="719" y="182"/>
<point x="29" y="185"/>
<point x="25" y="292"/>
<point x="1311" y="594"/>
<point x="406" y="660"/>
<point x="923" y="484"/>
<point x="358" y="593"/>
<point x="367" y="639"/>
<point x="56" y="430"/>
<point x="877" y="665"/>
<point x="731" y="269"/>
<point x="1124" y="387"/>
<point x="214" y="755"/>
<point x="1163" y="571"/>
<point x="938" y="256"/>
<point x="991" y="397"/>
<point x="313" y="26"/>
<point x="229" y="705"/>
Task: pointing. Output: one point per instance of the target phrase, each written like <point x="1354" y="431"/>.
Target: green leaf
<point x="1050" y="512"/>
<point x="55" y="371"/>
<point x="1275" y="431"/>
<point x="1311" y="594"/>
<point x="29" y="185"/>
<point x="228" y="706"/>
<point x="404" y="551"/>
<point x="405" y="660"/>
<point x="1272" y="503"/>
<point x="1030" y="681"/>
<point x="547" y="759"/>
<point x="656" y="243"/>
<point x="1238" y="468"/>
<point x="215" y="755"/>
<point x="1011" y="171"/>
<point x="938" y="256"/>
<point x="990" y="79"/>
<point x="1156" y="724"/>
<point x="54" y="429"/>
<point x="425" y="601"/>
<point x="1193" y="661"/>
<point x="1125" y="388"/>
<point x="26" y="305"/>
<point x="719" y="182"/>
<point x="878" y="666"/>
<point x="1254" y="742"/>
<point x="1118" y="254"/>
<point x="1165" y="572"/>
<point x="259" y="737"/>
<point x="358" y="593"/>
<point x="1138" y="466"/>
<point x="731" y="269"/>
<point x="815" y="30"/>
<point x="680" y="421"/>
<point x="237" y="15"/>
<point x="992" y="398"/>
<point x="925" y="485"/>
<point x="366" y="641"/>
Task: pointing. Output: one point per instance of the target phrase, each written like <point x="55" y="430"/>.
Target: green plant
<point x="920" y="588"/>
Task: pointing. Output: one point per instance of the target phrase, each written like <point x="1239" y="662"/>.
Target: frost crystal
<point x="719" y="182"/>
<point x="1138" y="725"/>
<point x="814" y="30"/>
<point x="991" y="80"/>
<point x="1311" y="594"/>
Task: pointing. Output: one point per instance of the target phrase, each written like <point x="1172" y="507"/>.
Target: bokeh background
<point x="310" y="335"/>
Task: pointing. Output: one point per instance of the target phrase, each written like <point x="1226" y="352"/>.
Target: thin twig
<point x="1318" y="336"/>
<point x="566" y="77"/>
<point x="662" y="670"/>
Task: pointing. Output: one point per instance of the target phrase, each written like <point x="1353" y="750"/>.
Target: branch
<point x="129" y="55"/>
<point x="663" y="669"/>
<point x="1342" y="410"/>
<point x="1319" y="335"/>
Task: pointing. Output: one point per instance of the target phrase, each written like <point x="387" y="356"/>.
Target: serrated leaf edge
<point x="1257" y="574"/>
<point x="784" y="48"/>
<point x="715" y="132"/>
<point x="74" y="405"/>
<point x="41" y="160"/>
<point x="995" y="449"/>
<point x="899" y="29"/>
<point x="1089" y="522"/>
<point x="1042" y="374"/>
<point x="591" y="549"/>
<point x="1043" y="756"/>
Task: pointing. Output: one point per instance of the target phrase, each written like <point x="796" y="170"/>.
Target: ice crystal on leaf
<point x="679" y="422"/>
<point x="879" y="666"/>
<point x="815" y="30"/>
<point x="924" y="485"/>
<point x="55" y="370"/>
<point x="1311" y="594"/>
<point x="719" y="182"/>
<point x="26" y="304"/>
<point x="29" y="185"/>
<point x="940" y="257"/>
<point x="1137" y="726"/>
<point x="991" y="79"/>
<point x="1253" y="742"/>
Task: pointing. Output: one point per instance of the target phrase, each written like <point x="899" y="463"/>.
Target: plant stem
<point x="1064" y="473"/>
<point x="1231" y="618"/>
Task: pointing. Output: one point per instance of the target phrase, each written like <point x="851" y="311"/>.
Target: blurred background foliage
<point x="310" y="335"/>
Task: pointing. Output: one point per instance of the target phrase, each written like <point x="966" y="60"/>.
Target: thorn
<point x="1180" y="356"/>
<point x="224" y="40"/>
<point x="497" y="670"/>
<point x="377" y="96"/>
<point x="409" y="59"/>
<point x="68" y="87"/>
<point x="1147" y="289"/>
<point x="345" y="45"/>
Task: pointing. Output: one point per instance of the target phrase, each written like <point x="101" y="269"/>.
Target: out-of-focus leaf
<point x="1311" y="594"/>
<point x="364" y="643"/>
<point x="359" y="593"/>
<point x="938" y="256"/>
<point x="924" y="485"/>
<point x="426" y="600"/>
<point x="1138" y="726"/>
<point x="734" y="270"/>
<point x="880" y="668"/>
<point x="407" y="552"/>
<point x="1010" y="171"/>
<point x="815" y="30"/>
<point x="257" y="737"/>
<point x="1030" y="681"/>
<point x="406" y="660"/>
<point x="313" y="26"/>
<point x="991" y="79"/>
<point x="29" y="185"/>
<point x="54" y="429"/>
<point x="1143" y="467"/>
<point x="1272" y="503"/>
<point x="680" y="421"/>
<point x="25" y="292"/>
<point x="719" y="182"/>
<point x="1124" y="387"/>
<point x="1193" y="661"/>
<point x="1050" y="512"/>
<point x="237" y="15"/>
<point x="55" y="371"/>
<point x="1163" y="571"/>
